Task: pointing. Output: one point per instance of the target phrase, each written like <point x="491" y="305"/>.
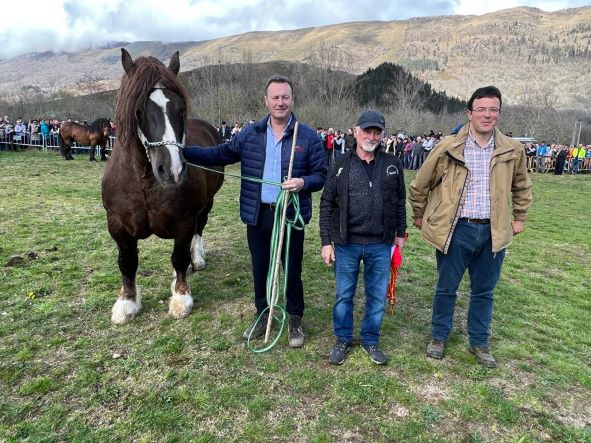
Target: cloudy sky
<point x="70" y="25"/>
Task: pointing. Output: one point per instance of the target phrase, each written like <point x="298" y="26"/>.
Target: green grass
<point x="67" y="374"/>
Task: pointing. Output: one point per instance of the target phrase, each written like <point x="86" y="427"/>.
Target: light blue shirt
<point x="272" y="169"/>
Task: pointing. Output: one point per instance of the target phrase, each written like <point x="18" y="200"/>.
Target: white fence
<point x="45" y="143"/>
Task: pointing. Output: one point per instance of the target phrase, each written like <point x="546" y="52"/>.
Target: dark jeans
<point x="259" y="243"/>
<point x="376" y="274"/>
<point x="470" y="248"/>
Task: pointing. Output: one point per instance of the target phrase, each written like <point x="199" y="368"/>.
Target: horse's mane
<point x="97" y="125"/>
<point x="133" y="93"/>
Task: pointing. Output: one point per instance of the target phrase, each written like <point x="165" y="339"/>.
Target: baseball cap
<point x="371" y="119"/>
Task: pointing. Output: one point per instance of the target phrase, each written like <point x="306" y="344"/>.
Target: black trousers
<point x="259" y="243"/>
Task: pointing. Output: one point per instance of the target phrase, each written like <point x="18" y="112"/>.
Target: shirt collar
<point x="489" y="144"/>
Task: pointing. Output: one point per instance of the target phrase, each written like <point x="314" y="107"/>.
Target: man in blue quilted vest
<point x="264" y="148"/>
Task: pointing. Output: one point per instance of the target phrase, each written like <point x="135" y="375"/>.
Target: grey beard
<point x="367" y="148"/>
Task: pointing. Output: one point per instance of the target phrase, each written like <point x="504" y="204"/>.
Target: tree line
<point x="324" y="97"/>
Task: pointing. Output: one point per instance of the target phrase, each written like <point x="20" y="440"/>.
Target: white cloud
<point x="69" y="25"/>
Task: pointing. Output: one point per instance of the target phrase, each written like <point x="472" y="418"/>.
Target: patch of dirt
<point x="15" y="261"/>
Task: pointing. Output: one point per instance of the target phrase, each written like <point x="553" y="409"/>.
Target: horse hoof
<point x="92" y="159"/>
<point x="180" y="306"/>
<point x="195" y="267"/>
<point x="124" y="311"/>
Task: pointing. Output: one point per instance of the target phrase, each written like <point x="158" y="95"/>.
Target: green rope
<point x="297" y="222"/>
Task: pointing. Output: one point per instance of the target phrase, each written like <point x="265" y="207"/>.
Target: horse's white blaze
<point x="180" y="304"/>
<point x="125" y="310"/>
<point x="197" y="253"/>
<point x="176" y="165"/>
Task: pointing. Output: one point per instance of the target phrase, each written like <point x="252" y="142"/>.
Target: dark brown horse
<point x="93" y="135"/>
<point x="148" y="188"/>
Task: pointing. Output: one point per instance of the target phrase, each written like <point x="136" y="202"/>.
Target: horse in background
<point x="95" y="134"/>
<point x="148" y="188"/>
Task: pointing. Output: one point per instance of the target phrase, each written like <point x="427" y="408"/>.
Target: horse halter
<point x="147" y="145"/>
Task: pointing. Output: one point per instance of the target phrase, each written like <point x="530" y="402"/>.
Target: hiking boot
<point x="257" y="328"/>
<point x="375" y="355"/>
<point x="484" y="356"/>
<point x="435" y="349"/>
<point x="338" y="352"/>
<point x="295" y="332"/>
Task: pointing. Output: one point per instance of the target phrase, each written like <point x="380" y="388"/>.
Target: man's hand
<point x="327" y="254"/>
<point x="517" y="226"/>
<point x="400" y="242"/>
<point x="417" y="222"/>
<point x="295" y="184"/>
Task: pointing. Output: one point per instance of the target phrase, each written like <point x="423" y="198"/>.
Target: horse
<point x="148" y="187"/>
<point x="95" y="134"/>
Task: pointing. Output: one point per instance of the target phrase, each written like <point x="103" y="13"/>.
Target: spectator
<point x="225" y="131"/>
<point x="20" y="131"/>
<point x="560" y="160"/>
<point x="579" y="153"/>
<point x="328" y="146"/>
<point x="417" y="153"/>
<point x="542" y="155"/>
<point x="338" y="144"/>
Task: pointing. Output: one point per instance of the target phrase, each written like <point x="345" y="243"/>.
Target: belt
<point x="478" y="221"/>
<point x="270" y="206"/>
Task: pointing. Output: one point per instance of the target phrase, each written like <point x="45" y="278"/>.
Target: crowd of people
<point x="41" y="132"/>
<point x="543" y="157"/>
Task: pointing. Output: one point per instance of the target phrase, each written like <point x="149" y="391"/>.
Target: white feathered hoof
<point x="197" y="254"/>
<point x="181" y="302"/>
<point x="126" y="309"/>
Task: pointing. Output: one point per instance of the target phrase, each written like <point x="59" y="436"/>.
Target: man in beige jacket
<point x="460" y="201"/>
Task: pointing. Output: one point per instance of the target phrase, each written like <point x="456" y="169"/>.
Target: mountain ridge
<point x="522" y="50"/>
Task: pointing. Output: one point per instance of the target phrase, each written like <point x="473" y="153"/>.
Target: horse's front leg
<point x="92" y="149"/>
<point x="128" y="304"/>
<point x="181" y="302"/>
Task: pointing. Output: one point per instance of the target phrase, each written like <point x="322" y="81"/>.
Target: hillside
<point x="521" y="50"/>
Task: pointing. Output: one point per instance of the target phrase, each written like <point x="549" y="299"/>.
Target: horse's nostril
<point x="160" y="169"/>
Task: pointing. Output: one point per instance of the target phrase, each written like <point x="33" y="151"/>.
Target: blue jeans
<point x="470" y="248"/>
<point x="376" y="274"/>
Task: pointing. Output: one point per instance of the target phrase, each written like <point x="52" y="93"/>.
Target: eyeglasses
<point x="483" y="110"/>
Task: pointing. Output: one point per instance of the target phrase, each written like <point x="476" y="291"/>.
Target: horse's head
<point x="160" y="119"/>
<point x="106" y="128"/>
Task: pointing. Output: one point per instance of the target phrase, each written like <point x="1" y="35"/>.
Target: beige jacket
<point x="439" y="189"/>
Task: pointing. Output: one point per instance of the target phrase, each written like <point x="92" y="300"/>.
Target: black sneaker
<point x="375" y="355"/>
<point x="338" y="352"/>
<point x="295" y="332"/>
<point x="435" y="349"/>
<point x="257" y="328"/>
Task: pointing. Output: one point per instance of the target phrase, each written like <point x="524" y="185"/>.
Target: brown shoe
<point x="484" y="356"/>
<point x="436" y="348"/>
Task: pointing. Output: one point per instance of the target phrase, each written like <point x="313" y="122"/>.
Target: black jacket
<point x="334" y="202"/>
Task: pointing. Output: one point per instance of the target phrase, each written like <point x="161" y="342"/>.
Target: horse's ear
<point x="175" y="65"/>
<point x="126" y="61"/>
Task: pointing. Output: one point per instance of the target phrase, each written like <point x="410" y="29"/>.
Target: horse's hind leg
<point x="129" y="303"/>
<point x="181" y="302"/>
<point x="197" y="250"/>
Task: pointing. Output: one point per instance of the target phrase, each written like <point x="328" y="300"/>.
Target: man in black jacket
<point x="362" y="213"/>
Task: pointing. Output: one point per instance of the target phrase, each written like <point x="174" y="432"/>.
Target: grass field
<point x="67" y="374"/>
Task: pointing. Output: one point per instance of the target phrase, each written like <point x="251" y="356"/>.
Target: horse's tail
<point x="60" y="139"/>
